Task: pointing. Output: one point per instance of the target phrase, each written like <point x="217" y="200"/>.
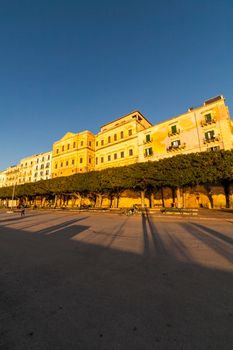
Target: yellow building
<point x="132" y="138"/>
<point x="73" y="153"/>
<point x="2" y="178"/>
<point x="205" y="128"/>
<point x="12" y="174"/>
<point x="117" y="142"/>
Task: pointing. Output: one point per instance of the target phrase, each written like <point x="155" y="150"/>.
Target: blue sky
<point x="70" y="65"/>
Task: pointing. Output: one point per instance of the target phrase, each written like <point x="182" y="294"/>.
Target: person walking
<point x="22" y="211"/>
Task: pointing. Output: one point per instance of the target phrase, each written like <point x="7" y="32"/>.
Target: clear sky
<point x="72" y="65"/>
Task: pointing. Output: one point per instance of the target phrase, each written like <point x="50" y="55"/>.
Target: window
<point x="81" y="143"/>
<point x="115" y="155"/>
<point x="130" y="152"/>
<point x="68" y="146"/>
<point x="89" y="143"/>
<point x="102" y="142"/>
<point x="41" y="173"/>
<point x="96" y="160"/>
<point x="56" y="152"/>
<point x="74" y="144"/>
<point x="35" y="175"/>
<point x="42" y="159"/>
<point x="56" y="166"/>
<point x="115" y="137"/>
<point x="148" y="152"/>
<point x="26" y="164"/>
<point x="175" y="143"/>
<point x="96" y="143"/>
<point x="49" y="157"/>
<point x="29" y="178"/>
<point x="31" y="162"/>
<point x="38" y="158"/>
<point x="42" y="166"/>
<point x="174" y="129"/>
<point x="61" y="164"/>
<point x="89" y="160"/>
<point x="122" y="134"/>
<point x="130" y="132"/>
<point x="72" y="161"/>
<point x="67" y="163"/>
<point x="109" y="139"/>
<point x="102" y="159"/>
<point x="62" y="148"/>
<point x="148" y="138"/>
<point x="47" y="165"/>
<point x="109" y="158"/>
<point x="209" y="135"/>
<point x="122" y="154"/>
<point x="208" y="118"/>
<point x="215" y="148"/>
<point x="81" y="160"/>
<point x="37" y="167"/>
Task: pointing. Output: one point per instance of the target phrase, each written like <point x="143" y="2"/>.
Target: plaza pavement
<point x="85" y="280"/>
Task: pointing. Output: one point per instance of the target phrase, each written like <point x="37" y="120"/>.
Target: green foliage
<point x="178" y="171"/>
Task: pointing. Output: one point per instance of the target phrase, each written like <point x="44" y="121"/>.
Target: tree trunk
<point x="151" y="199"/>
<point x="118" y="200"/>
<point x="162" y="197"/>
<point x="173" y="196"/>
<point x="209" y="195"/>
<point x="226" y="187"/>
<point x="184" y="198"/>
<point x="143" y="199"/>
<point x="178" y="196"/>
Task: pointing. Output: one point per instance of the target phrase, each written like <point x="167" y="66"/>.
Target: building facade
<point x="73" y="153"/>
<point x="127" y="140"/>
<point x="206" y="128"/>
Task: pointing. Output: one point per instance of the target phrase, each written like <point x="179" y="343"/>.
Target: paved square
<point x="106" y="281"/>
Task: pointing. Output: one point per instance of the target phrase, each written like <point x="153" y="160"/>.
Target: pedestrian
<point x="22" y="210"/>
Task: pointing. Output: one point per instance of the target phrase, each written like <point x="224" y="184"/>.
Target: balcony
<point x="211" y="139"/>
<point x="206" y="122"/>
<point x="176" y="147"/>
<point x="173" y="133"/>
<point x="147" y="155"/>
<point x="147" y="141"/>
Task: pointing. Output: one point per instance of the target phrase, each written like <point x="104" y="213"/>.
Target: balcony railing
<point x="211" y="139"/>
<point x="176" y="147"/>
<point x="148" y="141"/>
<point x="173" y="133"/>
<point x="205" y="122"/>
<point x="146" y="155"/>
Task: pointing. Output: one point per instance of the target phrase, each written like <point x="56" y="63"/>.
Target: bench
<point x="179" y="211"/>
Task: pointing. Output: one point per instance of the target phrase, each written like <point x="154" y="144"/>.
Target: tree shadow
<point x="95" y="297"/>
<point x="216" y="234"/>
<point x="203" y="236"/>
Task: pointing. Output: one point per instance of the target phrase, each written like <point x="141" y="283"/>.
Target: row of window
<point x="71" y="163"/>
<point x="42" y="166"/>
<point x="42" y="173"/>
<point x="68" y="146"/>
<point x="209" y="135"/>
<point x="113" y="156"/>
<point x="37" y="161"/>
<point x="115" y="137"/>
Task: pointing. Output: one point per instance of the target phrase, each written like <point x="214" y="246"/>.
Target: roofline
<point x="191" y="110"/>
<point x="126" y="115"/>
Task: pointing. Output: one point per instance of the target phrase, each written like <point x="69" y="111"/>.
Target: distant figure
<point x="22" y="210"/>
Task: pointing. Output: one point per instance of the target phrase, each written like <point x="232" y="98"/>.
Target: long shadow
<point x="211" y="242"/>
<point x="157" y="241"/>
<point x="146" y="251"/>
<point x="95" y="297"/>
<point x="18" y="218"/>
<point x="215" y="233"/>
<point x="118" y="233"/>
<point x="61" y="229"/>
